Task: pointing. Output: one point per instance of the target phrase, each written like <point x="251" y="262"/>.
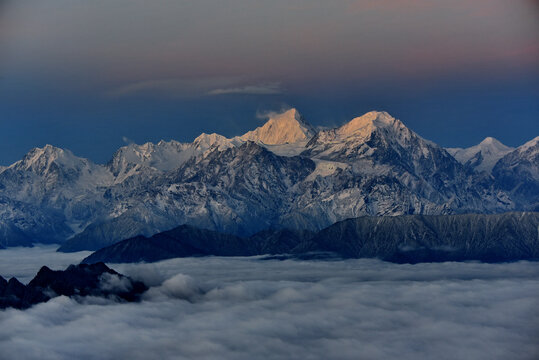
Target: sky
<point x="271" y="309"/>
<point x="90" y="75"/>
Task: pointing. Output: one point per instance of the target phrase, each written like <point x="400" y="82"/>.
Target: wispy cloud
<point x="259" y="89"/>
<point x="194" y="87"/>
<point x="169" y="87"/>
<point x="264" y="115"/>
<point x="127" y="140"/>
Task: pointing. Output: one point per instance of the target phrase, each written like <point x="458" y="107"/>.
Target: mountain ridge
<point x="401" y="239"/>
<point x="76" y="281"/>
<point x="371" y="165"/>
<point x="483" y="156"/>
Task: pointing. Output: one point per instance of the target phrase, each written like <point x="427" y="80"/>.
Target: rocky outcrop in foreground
<point x="76" y="281"/>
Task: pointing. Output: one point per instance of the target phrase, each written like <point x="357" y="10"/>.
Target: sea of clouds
<point x="248" y="308"/>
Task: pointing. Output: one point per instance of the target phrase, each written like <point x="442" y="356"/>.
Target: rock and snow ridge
<point x="518" y="173"/>
<point x="286" y="128"/>
<point x="283" y="174"/>
<point x="483" y="156"/>
<point x="529" y="149"/>
<point x="401" y="239"/>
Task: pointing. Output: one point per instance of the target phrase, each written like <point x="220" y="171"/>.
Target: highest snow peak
<point x="283" y="128"/>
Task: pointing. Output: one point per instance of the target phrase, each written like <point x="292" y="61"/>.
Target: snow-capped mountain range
<point x="284" y="174"/>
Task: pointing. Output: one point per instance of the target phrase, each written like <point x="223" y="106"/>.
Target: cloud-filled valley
<point x="287" y="309"/>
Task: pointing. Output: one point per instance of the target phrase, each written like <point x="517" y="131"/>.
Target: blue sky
<point x="84" y="75"/>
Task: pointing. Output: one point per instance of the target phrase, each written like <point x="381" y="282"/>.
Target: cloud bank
<point x="217" y="308"/>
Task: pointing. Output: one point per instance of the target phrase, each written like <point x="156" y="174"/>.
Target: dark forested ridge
<point x="408" y="238"/>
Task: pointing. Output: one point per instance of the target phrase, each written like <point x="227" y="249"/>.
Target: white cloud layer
<point x="234" y="308"/>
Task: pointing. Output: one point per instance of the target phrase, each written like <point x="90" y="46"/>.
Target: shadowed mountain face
<point x="77" y="280"/>
<point x="283" y="175"/>
<point x="518" y="173"/>
<point x="186" y="241"/>
<point x="240" y="190"/>
<point x="422" y="238"/>
<point x="408" y="239"/>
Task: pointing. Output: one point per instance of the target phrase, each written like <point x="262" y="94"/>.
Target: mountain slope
<point x="50" y="194"/>
<point x="483" y="156"/>
<point x="417" y="238"/>
<point x="187" y="241"/>
<point x="518" y="174"/>
<point x="408" y="238"/>
<point x="389" y="170"/>
<point x="288" y="127"/>
<point x="183" y="241"/>
<point x="154" y="159"/>
<point x="240" y="190"/>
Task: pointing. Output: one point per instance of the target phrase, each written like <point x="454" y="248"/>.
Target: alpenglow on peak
<point x="367" y="122"/>
<point x="286" y="127"/>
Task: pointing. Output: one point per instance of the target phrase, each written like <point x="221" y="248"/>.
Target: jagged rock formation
<point x="76" y="281"/>
<point x="407" y="238"/>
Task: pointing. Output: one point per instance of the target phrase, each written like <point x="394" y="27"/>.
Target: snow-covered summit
<point x="206" y="141"/>
<point x="51" y="174"/>
<point x="482" y="156"/>
<point x="373" y="132"/>
<point x="165" y="155"/>
<point x="40" y="160"/>
<point x="365" y="124"/>
<point x="283" y="128"/>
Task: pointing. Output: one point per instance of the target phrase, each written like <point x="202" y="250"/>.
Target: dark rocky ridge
<point x="408" y="239"/>
<point x="186" y="241"/>
<point x="431" y="238"/>
<point x="76" y="281"/>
